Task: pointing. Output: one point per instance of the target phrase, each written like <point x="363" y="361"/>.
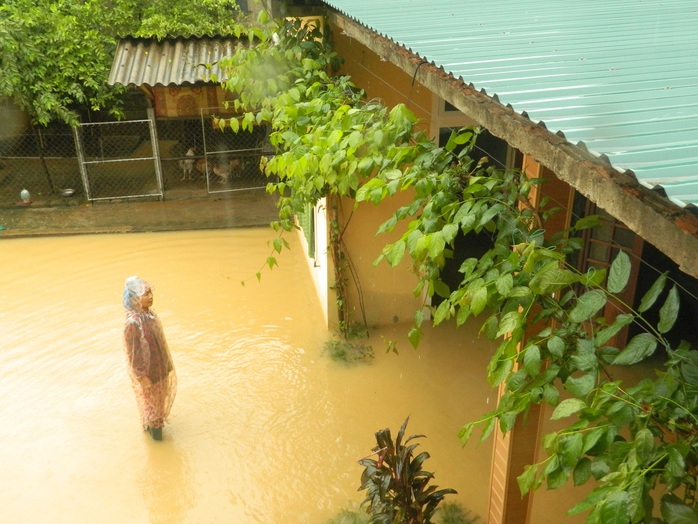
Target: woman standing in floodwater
<point x="149" y="361"/>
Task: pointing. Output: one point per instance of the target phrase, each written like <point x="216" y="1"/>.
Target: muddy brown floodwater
<point x="264" y="429"/>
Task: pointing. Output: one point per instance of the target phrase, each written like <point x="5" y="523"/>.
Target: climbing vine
<point x="638" y="442"/>
<point x="329" y="139"/>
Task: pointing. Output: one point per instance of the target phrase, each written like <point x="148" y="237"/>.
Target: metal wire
<point x="149" y="158"/>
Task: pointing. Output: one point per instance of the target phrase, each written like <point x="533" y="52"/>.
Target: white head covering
<point x="134" y="288"/>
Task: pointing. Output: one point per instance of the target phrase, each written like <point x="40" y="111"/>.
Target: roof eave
<point x="670" y="228"/>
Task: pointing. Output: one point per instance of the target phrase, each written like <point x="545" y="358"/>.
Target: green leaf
<point x="504" y="284"/>
<point x="463" y="211"/>
<point x="510" y="322"/>
<point x="652" y="294"/>
<point x="442" y="289"/>
<point x="676" y="465"/>
<point x="396" y="253"/>
<point x="620" y="272"/>
<point x="568" y="407"/>
<point x="488" y="429"/>
<point x="585" y="362"/>
<point x="676" y="512"/>
<point x="644" y="445"/>
<point x="492" y="212"/>
<point x="415" y="336"/>
<point x="615" y="509"/>
<point x="501" y="370"/>
<point x="465" y="433"/>
<point x="479" y="301"/>
<point x="689" y="370"/>
<point x="527" y="479"/>
<point x="592" y="436"/>
<point x="462" y="314"/>
<point x="599" y="469"/>
<point x="436" y="245"/>
<point x="606" y="334"/>
<point x="669" y="311"/>
<point x="468" y="265"/>
<point x="449" y="232"/>
<point x="587" y="222"/>
<point x="551" y="395"/>
<point x="582" y="472"/>
<point x="570" y="449"/>
<point x="593" y="277"/>
<point x="531" y="360"/>
<point x="557" y="478"/>
<point x="553" y="280"/>
<point x="442" y="312"/>
<point x="516" y="381"/>
<point x="490" y="327"/>
<point x="295" y="94"/>
<point x="639" y="348"/>
<point x="587" y="306"/>
<point x="556" y="346"/>
<point x="457" y="139"/>
<point x="580" y="386"/>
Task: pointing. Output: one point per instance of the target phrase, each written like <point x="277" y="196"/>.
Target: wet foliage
<point x="397" y="488"/>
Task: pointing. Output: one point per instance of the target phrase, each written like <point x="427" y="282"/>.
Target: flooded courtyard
<point x="265" y="427"/>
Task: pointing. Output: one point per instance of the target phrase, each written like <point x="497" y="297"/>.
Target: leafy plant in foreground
<point x="398" y="490"/>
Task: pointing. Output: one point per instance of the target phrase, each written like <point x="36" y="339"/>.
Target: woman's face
<point x="146" y="299"/>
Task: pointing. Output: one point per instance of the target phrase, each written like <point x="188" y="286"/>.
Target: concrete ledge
<point x="254" y="208"/>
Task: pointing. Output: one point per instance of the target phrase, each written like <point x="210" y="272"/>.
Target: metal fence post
<point x="156" y="152"/>
<point x="81" y="162"/>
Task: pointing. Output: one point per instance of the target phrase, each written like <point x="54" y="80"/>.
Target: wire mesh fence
<point x="119" y="160"/>
<point x="170" y="158"/>
<point x="40" y="160"/>
<point x="231" y="159"/>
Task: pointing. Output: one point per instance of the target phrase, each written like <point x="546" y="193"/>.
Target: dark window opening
<point x="655" y="263"/>
<point x="472" y="245"/>
<point x="486" y="144"/>
<point x="601" y="246"/>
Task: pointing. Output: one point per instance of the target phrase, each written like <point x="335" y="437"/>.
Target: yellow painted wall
<point x="387" y="292"/>
<point x="381" y="79"/>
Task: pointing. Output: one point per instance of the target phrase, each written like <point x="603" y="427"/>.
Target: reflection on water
<point x="264" y="429"/>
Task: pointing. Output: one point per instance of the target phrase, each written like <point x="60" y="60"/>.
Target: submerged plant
<point x="398" y="490"/>
<point x="349" y="351"/>
<point x="454" y="513"/>
<point x="350" y="347"/>
<point x="347" y="516"/>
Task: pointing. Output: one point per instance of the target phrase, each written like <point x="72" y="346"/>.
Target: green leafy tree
<point x="163" y="18"/>
<point x="55" y="55"/>
<point x="53" y="60"/>
<point x="637" y="441"/>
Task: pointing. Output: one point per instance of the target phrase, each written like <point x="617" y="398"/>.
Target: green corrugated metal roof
<point x="620" y="76"/>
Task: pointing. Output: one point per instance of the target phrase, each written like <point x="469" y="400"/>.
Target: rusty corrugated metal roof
<point x="178" y="61"/>
<point x="617" y="77"/>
